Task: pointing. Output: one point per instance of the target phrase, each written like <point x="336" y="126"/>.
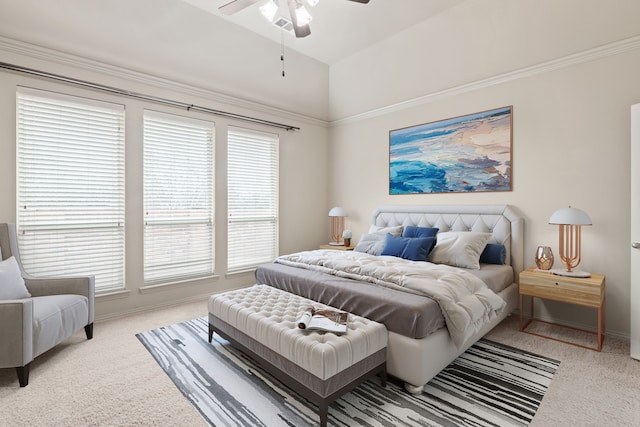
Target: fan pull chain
<point x="282" y="51"/>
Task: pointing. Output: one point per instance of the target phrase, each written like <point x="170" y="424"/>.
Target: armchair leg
<point x="88" y="330"/>
<point x="23" y="374"/>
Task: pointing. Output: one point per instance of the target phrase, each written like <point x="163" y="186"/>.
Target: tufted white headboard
<point x="504" y="223"/>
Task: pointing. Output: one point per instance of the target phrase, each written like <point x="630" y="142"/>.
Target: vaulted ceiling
<point x="339" y="27"/>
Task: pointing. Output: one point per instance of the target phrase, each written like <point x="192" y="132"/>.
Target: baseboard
<point x="154" y="307"/>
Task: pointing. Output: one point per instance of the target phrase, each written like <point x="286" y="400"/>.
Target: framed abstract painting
<point x="470" y="153"/>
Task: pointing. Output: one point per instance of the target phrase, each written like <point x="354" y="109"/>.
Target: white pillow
<point x="459" y="248"/>
<point x="394" y="231"/>
<point x="371" y="243"/>
<point x="11" y="282"/>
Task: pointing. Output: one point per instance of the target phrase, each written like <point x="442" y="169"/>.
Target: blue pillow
<point x="493" y="253"/>
<point x="411" y="248"/>
<point x="412" y="231"/>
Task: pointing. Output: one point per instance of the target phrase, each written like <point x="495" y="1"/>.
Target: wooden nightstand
<point x="588" y="292"/>
<point x="337" y="247"/>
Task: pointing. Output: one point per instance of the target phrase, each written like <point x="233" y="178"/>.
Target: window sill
<point x="177" y="284"/>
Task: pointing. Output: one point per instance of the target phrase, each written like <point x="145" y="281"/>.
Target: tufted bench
<point x="261" y="320"/>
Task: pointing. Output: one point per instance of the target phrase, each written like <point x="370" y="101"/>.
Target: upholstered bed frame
<point x="416" y="361"/>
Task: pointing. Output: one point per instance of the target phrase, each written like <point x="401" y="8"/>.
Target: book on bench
<point x="324" y="320"/>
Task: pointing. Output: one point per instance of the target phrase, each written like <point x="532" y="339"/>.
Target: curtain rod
<point x="158" y="100"/>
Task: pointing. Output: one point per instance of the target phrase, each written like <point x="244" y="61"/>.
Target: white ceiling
<point x="339" y="28"/>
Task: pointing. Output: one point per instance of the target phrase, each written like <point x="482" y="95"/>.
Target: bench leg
<point x="210" y="333"/>
<point x="383" y="376"/>
<point x="323" y="409"/>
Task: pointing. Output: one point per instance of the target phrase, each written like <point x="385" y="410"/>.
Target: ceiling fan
<point x="300" y="17"/>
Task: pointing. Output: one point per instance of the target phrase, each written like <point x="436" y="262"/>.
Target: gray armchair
<point x="56" y="309"/>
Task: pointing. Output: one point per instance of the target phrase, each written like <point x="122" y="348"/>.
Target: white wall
<point x="571" y="120"/>
<point x="303" y="167"/>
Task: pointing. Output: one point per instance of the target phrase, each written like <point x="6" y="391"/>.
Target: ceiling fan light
<point x="269" y="10"/>
<point x="303" y="17"/>
<point x="312" y="2"/>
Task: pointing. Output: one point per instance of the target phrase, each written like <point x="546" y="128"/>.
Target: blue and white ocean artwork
<point x="470" y="153"/>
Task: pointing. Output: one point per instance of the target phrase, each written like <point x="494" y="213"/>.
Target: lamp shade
<point x="337" y="211"/>
<point x="570" y="216"/>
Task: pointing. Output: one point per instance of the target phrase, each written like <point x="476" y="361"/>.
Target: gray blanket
<point x="466" y="302"/>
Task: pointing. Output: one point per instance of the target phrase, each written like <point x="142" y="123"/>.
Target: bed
<point x="421" y="324"/>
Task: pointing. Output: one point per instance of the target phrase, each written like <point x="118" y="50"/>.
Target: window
<point x="178" y="198"/>
<point x="70" y="194"/>
<point x="252" y="193"/>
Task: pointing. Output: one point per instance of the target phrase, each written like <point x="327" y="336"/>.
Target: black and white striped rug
<point x="489" y="385"/>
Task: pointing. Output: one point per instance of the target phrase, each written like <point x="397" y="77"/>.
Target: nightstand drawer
<point x="583" y="291"/>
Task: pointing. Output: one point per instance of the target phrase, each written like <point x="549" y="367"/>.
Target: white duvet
<point x="466" y="302"/>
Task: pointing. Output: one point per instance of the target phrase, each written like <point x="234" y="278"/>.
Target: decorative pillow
<point x="411" y="248"/>
<point x="460" y="248"/>
<point x="494" y="253"/>
<point x="413" y="231"/>
<point x="11" y="282"/>
<point x="395" y="230"/>
<point x="371" y="243"/>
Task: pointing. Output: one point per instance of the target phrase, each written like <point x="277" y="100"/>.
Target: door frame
<point x="635" y="232"/>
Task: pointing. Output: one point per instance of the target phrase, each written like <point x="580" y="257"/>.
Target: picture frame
<point x="463" y="154"/>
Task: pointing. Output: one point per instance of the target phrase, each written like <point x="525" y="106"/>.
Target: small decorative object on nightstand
<point x="544" y="258"/>
<point x="346" y="237"/>
<point x="587" y="292"/>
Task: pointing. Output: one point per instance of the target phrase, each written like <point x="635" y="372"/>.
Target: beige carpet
<point x="112" y="380"/>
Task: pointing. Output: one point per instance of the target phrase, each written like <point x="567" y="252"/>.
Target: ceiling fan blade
<point x="301" y="31"/>
<point x="361" y="1"/>
<point x="236" y="6"/>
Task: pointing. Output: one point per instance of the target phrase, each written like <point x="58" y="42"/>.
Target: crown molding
<point x="611" y="49"/>
<point x="86" y="64"/>
<point x="50" y="55"/>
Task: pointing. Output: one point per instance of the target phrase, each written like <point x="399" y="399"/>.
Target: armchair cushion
<point x="56" y="318"/>
<point x="12" y="284"/>
<point x="84" y="286"/>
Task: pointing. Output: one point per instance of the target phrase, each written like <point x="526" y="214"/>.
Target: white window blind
<point x="178" y="198"/>
<point x="252" y="193"/>
<point x="70" y="193"/>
